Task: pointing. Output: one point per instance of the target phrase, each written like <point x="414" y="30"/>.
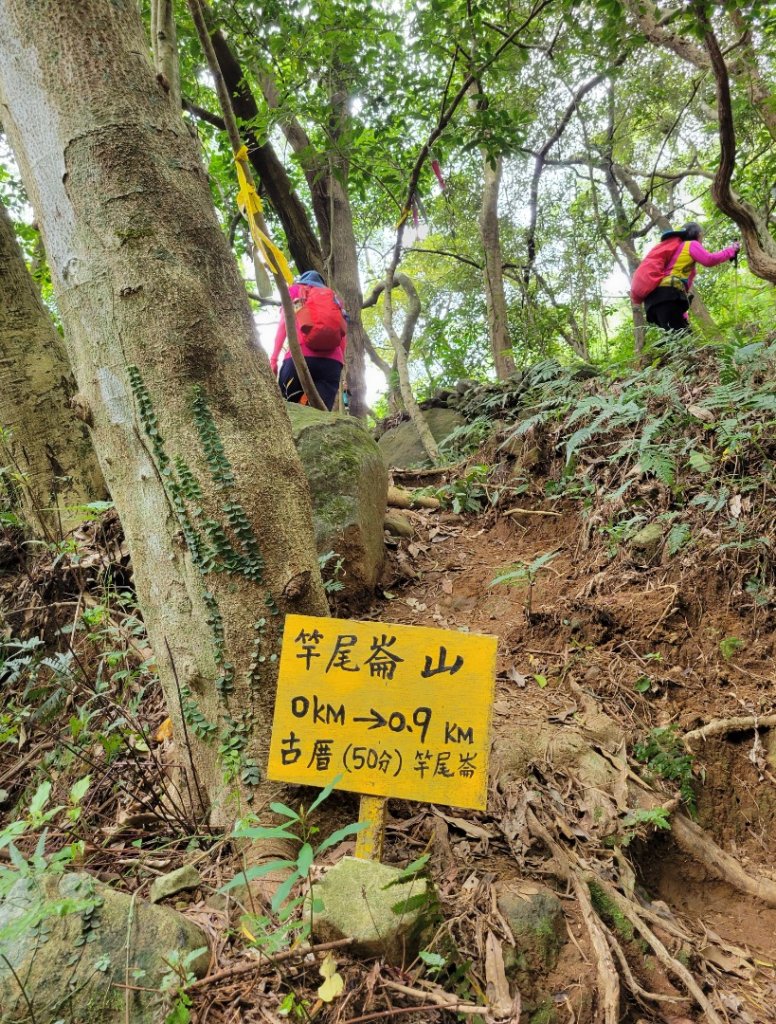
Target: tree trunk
<point x="494" y="276"/>
<point x="164" y="42"/>
<point x="302" y="243"/>
<point x="347" y="281"/>
<point x="760" y="246"/>
<point x="189" y="426"/>
<point x="51" y="458"/>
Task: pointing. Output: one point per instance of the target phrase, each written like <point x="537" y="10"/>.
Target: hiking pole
<point x="735" y="287"/>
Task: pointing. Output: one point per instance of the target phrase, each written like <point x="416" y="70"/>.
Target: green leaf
<point x="78" y="790"/>
<point x="304" y="860"/>
<point x="41" y="798"/>
<point x="283" y="890"/>
<point x="678" y="536"/>
<point x="325" y="793"/>
<point x="342" y="833"/>
<point x="260" y="832"/>
<point x="432" y="959"/>
<point x="256" y="872"/>
<point x="287" y="812"/>
<point x="179" y="1014"/>
<point x="700" y="461"/>
<point x="541" y="681"/>
<point x="410" y="871"/>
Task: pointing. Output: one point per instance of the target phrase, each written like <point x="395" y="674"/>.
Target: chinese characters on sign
<point x="400" y="711"/>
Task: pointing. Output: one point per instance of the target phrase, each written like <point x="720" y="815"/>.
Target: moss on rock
<point x="349" y="486"/>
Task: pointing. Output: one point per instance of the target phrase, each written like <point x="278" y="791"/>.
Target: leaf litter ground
<point x="615" y="645"/>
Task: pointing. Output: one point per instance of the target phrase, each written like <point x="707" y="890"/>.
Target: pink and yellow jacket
<point x="687" y="255"/>
<point x="338" y="353"/>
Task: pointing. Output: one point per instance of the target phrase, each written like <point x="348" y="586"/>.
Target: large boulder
<point x="401" y="447"/>
<point x="349" y="484"/>
<point x="74" y="944"/>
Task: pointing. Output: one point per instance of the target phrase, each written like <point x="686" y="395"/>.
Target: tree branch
<point x="760" y="246"/>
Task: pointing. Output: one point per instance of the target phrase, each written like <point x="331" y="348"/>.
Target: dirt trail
<point x="644" y="645"/>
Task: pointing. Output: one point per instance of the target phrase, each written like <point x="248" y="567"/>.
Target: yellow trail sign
<point x="398" y="711"/>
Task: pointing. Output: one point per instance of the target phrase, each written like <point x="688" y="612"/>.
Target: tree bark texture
<point x="188" y="423"/>
<point x="495" y="298"/>
<point x="47" y="445"/>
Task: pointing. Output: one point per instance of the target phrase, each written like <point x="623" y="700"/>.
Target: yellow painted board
<point x="398" y="711"/>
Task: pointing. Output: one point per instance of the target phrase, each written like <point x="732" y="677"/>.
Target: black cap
<point x="690" y="232"/>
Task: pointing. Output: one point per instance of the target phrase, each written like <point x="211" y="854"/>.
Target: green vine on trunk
<point x="212" y="551"/>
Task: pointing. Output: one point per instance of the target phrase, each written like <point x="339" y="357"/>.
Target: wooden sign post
<point x="397" y="711"/>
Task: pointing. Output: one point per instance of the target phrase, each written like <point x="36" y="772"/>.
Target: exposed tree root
<point x="724" y="726"/>
<point x="673" y="966"/>
<point x="693" y="840"/>
<point x="583" y="879"/>
<point x="607" y="979"/>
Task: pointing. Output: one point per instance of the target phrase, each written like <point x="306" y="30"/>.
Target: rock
<point x="73" y="964"/>
<point x="349" y="482"/>
<point x="358" y="903"/>
<point x="401" y="447"/>
<point x="535" y="918"/>
<point x="700" y="413"/>
<point x="184" y="878"/>
<point x="397" y="524"/>
<point x="646" y="543"/>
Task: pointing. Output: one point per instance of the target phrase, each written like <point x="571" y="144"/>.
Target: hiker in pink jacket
<point x="665" y="276"/>
<point x="325" y="366"/>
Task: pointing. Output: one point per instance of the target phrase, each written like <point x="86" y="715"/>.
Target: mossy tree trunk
<point x="188" y="424"/>
<point x="50" y="463"/>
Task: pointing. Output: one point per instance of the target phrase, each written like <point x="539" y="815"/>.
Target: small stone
<point x="363" y="901"/>
<point x="535" y="917"/>
<point x="179" y="880"/>
<point x="647" y="541"/>
<point x="397" y="524"/>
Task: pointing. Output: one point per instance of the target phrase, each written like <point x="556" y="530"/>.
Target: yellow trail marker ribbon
<point x="250" y="203"/>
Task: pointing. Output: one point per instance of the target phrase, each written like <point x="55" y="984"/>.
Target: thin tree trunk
<point x="302" y="243"/>
<point x="255" y="216"/>
<point x="760" y="246"/>
<point x="51" y="466"/>
<point x="495" y="298"/>
<point x="165" y="46"/>
<point x="189" y="426"/>
<point x="401" y="347"/>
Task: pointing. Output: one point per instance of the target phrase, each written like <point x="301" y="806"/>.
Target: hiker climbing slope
<point x="322" y="330"/>
<point x="664" y="278"/>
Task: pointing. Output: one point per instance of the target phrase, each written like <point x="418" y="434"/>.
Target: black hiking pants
<point x="665" y="308"/>
<point x="325" y="373"/>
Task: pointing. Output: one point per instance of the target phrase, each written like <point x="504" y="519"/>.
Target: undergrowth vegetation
<point x="686" y="442"/>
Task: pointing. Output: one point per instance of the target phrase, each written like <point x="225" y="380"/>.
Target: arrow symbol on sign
<point x="375" y="718"/>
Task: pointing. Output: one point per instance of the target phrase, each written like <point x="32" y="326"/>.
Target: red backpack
<point x="654" y="267"/>
<point x="319" y="321"/>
